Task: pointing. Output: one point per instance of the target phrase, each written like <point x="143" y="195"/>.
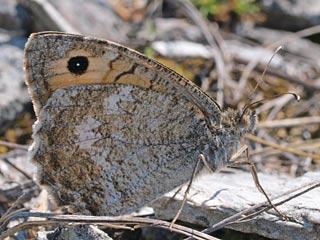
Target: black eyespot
<point x="78" y="65"/>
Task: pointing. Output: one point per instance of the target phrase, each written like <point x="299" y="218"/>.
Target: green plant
<point x="220" y="8"/>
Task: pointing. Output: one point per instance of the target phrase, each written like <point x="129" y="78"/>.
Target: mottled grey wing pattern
<point x="113" y="148"/>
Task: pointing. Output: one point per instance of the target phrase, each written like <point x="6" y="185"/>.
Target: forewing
<point x="47" y="57"/>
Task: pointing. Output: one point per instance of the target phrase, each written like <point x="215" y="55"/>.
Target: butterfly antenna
<point x="297" y="97"/>
<point x="248" y="105"/>
<point x="264" y="71"/>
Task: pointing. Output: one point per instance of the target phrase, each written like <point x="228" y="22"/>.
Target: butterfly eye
<point x="78" y="65"/>
<point x="245" y="121"/>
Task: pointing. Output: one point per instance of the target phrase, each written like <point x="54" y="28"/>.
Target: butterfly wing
<point x="48" y="65"/>
<point x="113" y="148"/>
<point x="115" y="129"/>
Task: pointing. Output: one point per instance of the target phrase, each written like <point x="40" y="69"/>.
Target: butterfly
<point x="115" y="130"/>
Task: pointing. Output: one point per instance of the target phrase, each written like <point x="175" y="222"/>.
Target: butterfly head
<point x="226" y="138"/>
<point x="238" y="122"/>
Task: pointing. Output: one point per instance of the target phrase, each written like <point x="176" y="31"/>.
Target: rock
<point x="80" y="232"/>
<point x="13" y="92"/>
<point x="16" y="187"/>
<point x="291" y="15"/>
<point x="96" y="18"/>
<point x="299" y="46"/>
<point x="9" y="19"/>
<point x="215" y="197"/>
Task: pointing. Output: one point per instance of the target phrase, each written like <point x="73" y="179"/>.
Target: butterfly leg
<point x="195" y="170"/>
<point x="254" y="174"/>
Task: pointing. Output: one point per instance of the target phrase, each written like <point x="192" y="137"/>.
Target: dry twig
<point x="121" y="221"/>
<point x="14" y="145"/>
<point x="282" y="148"/>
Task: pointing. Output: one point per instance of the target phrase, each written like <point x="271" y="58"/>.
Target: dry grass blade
<point x="289" y="122"/>
<point x="7" y="216"/>
<point x="310" y="145"/>
<point x="282" y="148"/>
<point x="254" y="63"/>
<point x="14" y="145"/>
<point x="122" y="221"/>
<point x="17" y="168"/>
<point x="216" y="50"/>
<point x="300" y="34"/>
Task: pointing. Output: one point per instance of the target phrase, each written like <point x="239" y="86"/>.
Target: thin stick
<point x="283" y="148"/>
<point x="18" y="169"/>
<point x="289" y="122"/>
<point x="14" y="145"/>
<point x="7" y="215"/>
<point x="222" y="70"/>
<point x="137" y="222"/>
<point x="293" y="36"/>
<point x="312" y="145"/>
